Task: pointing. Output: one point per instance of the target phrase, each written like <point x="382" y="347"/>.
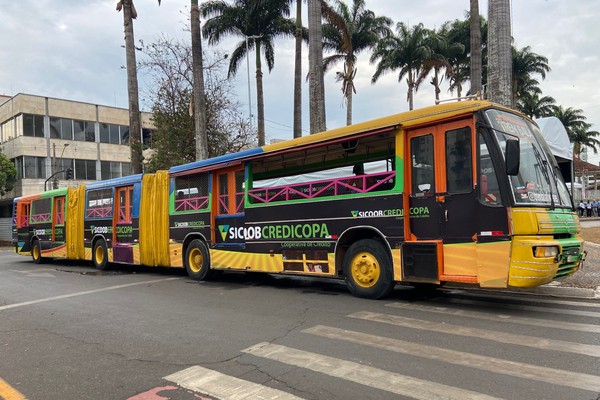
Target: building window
<point x="30" y="167"/>
<point x="114" y="134"/>
<point x="85" y="170"/>
<point x="114" y="169"/>
<point x="33" y="125"/>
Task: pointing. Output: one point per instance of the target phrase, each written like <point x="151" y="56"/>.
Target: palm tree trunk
<point x="315" y="71"/>
<point x="260" y="101"/>
<point x="198" y="73"/>
<point x="499" y="53"/>
<point x="298" y="73"/>
<point x="475" y="28"/>
<point x="135" y="130"/>
<point x="411" y="84"/>
<point x="348" y="91"/>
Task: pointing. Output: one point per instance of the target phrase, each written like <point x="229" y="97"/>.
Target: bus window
<point x="99" y="203"/>
<point x="423" y="177"/>
<point x="40" y="211"/>
<point x="459" y="171"/>
<point x="191" y="192"/>
<point x="125" y="205"/>
<point x="489" y="191"/>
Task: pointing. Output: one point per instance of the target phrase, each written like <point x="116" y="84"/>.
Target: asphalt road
<point x="70" y="332"/>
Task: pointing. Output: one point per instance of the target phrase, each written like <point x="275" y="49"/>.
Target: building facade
<point x="44" y="136"/>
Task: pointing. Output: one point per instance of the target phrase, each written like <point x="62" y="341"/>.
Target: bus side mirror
<point x="512" y="155"/>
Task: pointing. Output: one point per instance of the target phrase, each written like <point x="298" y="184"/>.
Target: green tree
<point x="442" y="49"/>
<point x="525" y="63"/>
<point x="169" y="67"/>
<point x="8" y="174"/>
<point x="404" y="52"/>
<point x="534" y="105"/>
<point x="458" y="35"/>
<point x="258" y="23"/>
<point x="578" y="129"/>
<point x="348" y="32"/>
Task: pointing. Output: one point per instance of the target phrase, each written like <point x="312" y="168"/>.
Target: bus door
<point x="58" y="220"/>
<point x="123" y="225"/>
<point x="22" y="233"/>
<point x="228" y="208"/>
<point x="441" y="203"/>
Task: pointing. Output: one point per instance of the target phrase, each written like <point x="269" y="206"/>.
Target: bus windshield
<point x="538" y="181"/>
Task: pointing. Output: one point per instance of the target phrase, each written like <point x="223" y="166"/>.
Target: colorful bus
<point x="458" y="192"/>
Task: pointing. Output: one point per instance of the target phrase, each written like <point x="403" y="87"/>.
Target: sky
<point x="73" y="49"/>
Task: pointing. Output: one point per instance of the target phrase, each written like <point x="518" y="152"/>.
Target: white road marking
<point x="66" y="296"/>
<point x="572" y="326"/>
<point x="365" y="375"/>
<point x="528" y="299"/>
<point x="579" y="313"/>
<point x="225" y="387"/>
<point x="496" y="336"/>
<point x="485" y="363"/>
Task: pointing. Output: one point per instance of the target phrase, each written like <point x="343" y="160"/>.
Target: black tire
<point x="368" y="269"/>
<point x="197" y="261"/>
<point x="100" y="255"/>
<point x="36" y="252"/>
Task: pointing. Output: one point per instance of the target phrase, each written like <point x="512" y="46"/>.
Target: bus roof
<point x="126" y="180"/>
<point x="405" y="119"/>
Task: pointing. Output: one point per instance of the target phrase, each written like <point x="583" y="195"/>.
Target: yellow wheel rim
<point x="36" y="252"/>
<point x="99" y="255"/>
<point x="365" y="269"/>
<point x="195" y="260"/>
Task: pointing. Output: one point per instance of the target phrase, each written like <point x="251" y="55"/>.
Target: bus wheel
<point x="100" y="255"/>
<point x="367" y="269"/>
<point x="197" y="261"/>
<point x="36" y="252"/>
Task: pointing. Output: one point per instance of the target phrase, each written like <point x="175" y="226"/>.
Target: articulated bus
<point x="458" y="192"/>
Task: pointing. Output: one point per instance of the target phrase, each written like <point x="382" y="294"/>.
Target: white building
<point x="43" y="135"/>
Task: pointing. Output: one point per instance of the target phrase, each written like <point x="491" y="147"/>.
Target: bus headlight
<point x="545" y="251"/>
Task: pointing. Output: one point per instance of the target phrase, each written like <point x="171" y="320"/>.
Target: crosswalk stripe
<point x="579" y="313"/>
<point x="502" y="337"/>
<point x="572" y="326"/>
<point x="529" y="299"/>
<point x="225" y="387"/>
<point x="363" y="374"/>
<point x="492" y="364"/>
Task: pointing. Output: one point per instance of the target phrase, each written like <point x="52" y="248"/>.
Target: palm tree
<point x="347" y="33"/>
<point x="441" y="51"/>
<point x="135" y="130"/>
<point x="258" y="23"/>
<point x="524" y="64"/>
<point x="534" y="105"/>
<point x="572" y="119"/>
<point x="499" y="53"/>
<point x="298" y="72"/>
<point x="316" y="85"/>
<point x="582" y="138"/>
<point x="458" y="35"/>
<point x="577" y="129"/>
<point x="476" y="58"/>
<point x="406" y="52"/>
<point x="199" y="94"/>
